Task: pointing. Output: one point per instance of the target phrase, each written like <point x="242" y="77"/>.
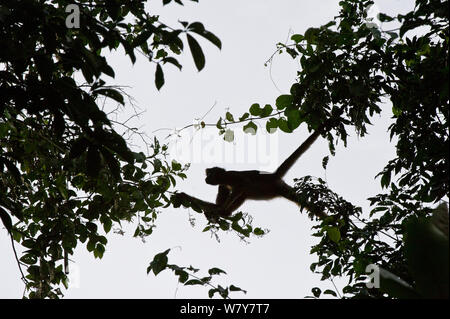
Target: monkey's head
<point x="214" y="175"/>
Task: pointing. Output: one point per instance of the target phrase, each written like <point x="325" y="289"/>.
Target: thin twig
<point x="17" y="260"/>
<point x="379" y="230"/>
<point x="210" y="109"/>
<point x="335" y="288"/>
<point x="225" y="123"/>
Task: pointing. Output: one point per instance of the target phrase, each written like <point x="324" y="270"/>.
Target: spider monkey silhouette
<point x="235" y="187"/>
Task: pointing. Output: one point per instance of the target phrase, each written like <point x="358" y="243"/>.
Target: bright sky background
<point x="277" y="265"/>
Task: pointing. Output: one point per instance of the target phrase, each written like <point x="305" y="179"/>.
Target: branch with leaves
<point x="160" y="263"/>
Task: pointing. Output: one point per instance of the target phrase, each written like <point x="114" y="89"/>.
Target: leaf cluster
<point x="188" y="276"/>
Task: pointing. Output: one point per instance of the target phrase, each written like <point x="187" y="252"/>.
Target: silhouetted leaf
<point x="250" y="127"/>
<point x="216" y="271"/>
<point x="6" y="219"/>
<point x="255" y="109"/>
<point x="159" y="263"/>
<point x="111" y="93"/>
<point x="159" y="77"/>
<point x="283" y="101"/>
<point x="198" y="28"/>
<point x="93" y="163"/>
<point x="197" y="53"/>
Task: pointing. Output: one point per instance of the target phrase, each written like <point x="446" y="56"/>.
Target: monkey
<point x="235" y="187"/>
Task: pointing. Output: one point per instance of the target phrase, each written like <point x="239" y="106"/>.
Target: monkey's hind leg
<point x="289" y="192"/>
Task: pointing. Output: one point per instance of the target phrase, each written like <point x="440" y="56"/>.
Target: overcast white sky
<point x="277" y="265"/>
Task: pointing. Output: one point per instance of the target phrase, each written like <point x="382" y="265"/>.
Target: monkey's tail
<point x="324" y="127"/>
<point x="287" y="164"/>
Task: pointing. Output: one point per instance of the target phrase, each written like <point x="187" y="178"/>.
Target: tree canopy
<point x="65" y="170"/>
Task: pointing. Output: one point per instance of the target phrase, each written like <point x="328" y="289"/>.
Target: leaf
<point x="197" y="53"/>
<point x="284" y="101"/>
<point x="29" y="259"/>
<point x="316" y="292"/>
<point x="384" y="17"/>
<point x="258" y="231"/>
<point x="212" y="38"/>
<point x="266" y="111"/>
<point x="176" y="166"/>
<point x="283" y="125"/>
<point x="184" y="23"/>
<point x="111" y="93"/>
<point x="229" y="117"/>
<point x="250" y="128"/>
<point x="99" y="250"/>
<point x="129" y="49"/>
<point x="386" y="179"/>
<point x="90" y="245"/>
<point x="58" y="125"/>
<point x="219" y="124"/>
<point x="198" y="28"/>
<point x="44" y="66"/>
<point x="6" y="219"/>
<point x="159" y="77"/>
<point x="12" y="169"/>
<point x="173" y="61"/>
<point x="183" y="276"/>
<point x="194" y="282"/>
<point x="330" y="292"/>
<point x="107" y="224"/>
<point x="325" y="162"/>
<point x="159" y="263"/>
<point x="229" y="135"/>
<point x="272" y="125"/>
<point x="216" y="271"/>
<point x="297" y="38"/>
<point x="78" y="147"/>
<point x="61" y="185"/>
<point x="142" y="38"/>
<point x="334" y="234"/>
<point x="255" y="110"/>
<point x="113" y="164"/>
<point x="108" y="70"/>
<point x="4" y="129"/>
<point x="244" y="116"/>
<point x="393" y="35"/>
<point x="311" y="35"/>
<point x="211" y="292"/>
<point x="293" y="118"/>
<point x="113" y="9"/>
<point x="93" y="161"/>
<point x="234" y="288"/>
